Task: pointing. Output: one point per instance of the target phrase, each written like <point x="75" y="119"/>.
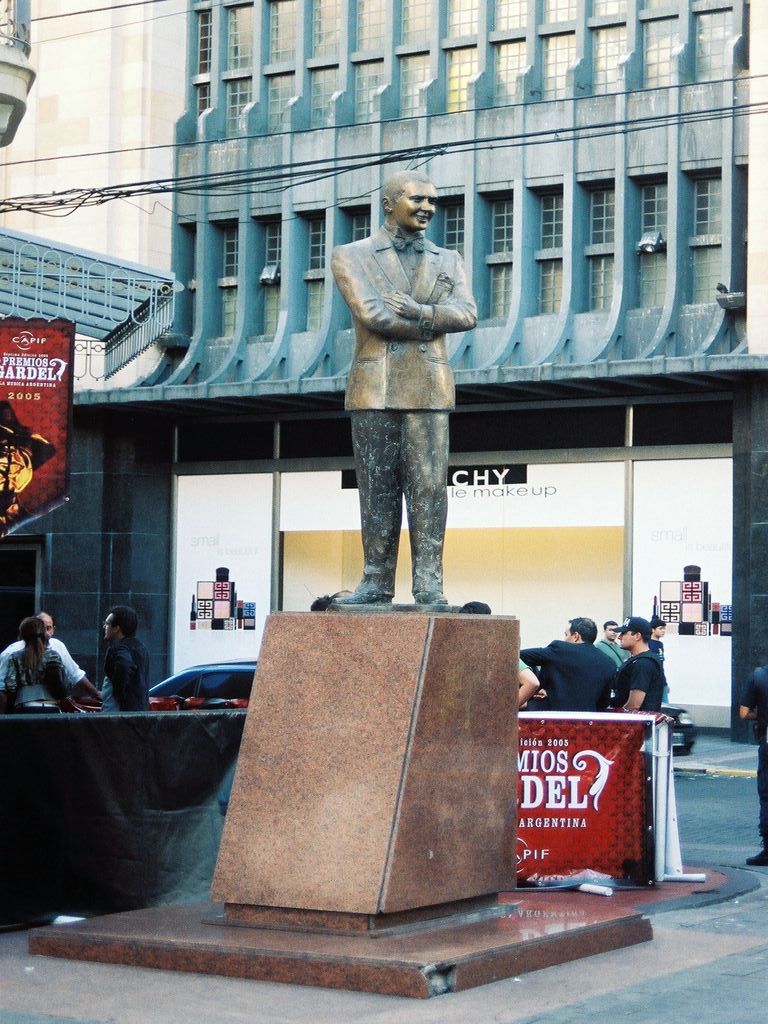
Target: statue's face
<point x="415" y="208"/>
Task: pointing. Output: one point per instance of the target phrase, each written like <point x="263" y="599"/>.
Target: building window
<point x="280" y="89"/>
<point x="239" y="38"/>
<point x="370" y="25"/>
<point x="559" y="54"/>
<point x="550" y="285"/>
<point x="610" y="44"/>
<point x="509" y="62"/>
<point x="416" y="20"/>
<point x="510" y="14"/>
<point x="238" y="97"/>
<point x="707" y="240"/>
<point x="653" y="265"/>
<point x="462" y="17"/>
<point x="462" y="65"/>
<point x="603" y="217"/>
<point x="609" y="8"/>
<point x="326" y="27"/>
<point x="203" y="93"/>
<point x="660" y="38"/>
<point x="204" y="43"/>
<point x="500" y="258"/>
<point x="414" y="73"/>
<point x="315" y="273"/>
<point x="282" y="31"/>
<point x="559" y="10"/>
<point x="270" y="275"/>
<point x="712" y="34"/>
<point x="453" y="226"/>
<point x="602" y="222"/>
<point x="228" y="279"/>
<point x="551" y="258"/>
<point x="368" y="78"/>
<point x="360" y="226"/>
<point x="552" y="221"/>
<point x="600" y="282"/>
<point x="323" y="84"/>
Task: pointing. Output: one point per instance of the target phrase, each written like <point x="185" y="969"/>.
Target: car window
<point x="182" y="685"/>
<point x="226" y="683"/>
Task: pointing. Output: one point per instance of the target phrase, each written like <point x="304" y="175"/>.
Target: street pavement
<point x="707" y="963"/>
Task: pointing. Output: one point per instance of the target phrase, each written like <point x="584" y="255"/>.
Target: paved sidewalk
<point x="714" y="754"/>
<point x="707" y="964"/>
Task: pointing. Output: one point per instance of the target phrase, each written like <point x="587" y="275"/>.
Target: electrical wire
<point x="279" y="177"/>
<point x="90" y="154"/>
<point x="99" y="10"/>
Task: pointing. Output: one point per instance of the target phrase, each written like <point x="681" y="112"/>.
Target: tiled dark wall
<point x="750" y="537"/>
<point x="111" y="542"/>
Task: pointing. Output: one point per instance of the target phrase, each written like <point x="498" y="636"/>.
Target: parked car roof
<point x="209" y="685"/>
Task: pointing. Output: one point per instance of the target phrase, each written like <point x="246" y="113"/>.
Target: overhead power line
<point x="98" y="10"/>
<point x="282" y="176"/>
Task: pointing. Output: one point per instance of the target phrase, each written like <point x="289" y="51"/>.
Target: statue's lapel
<point x="389" y="263"/>
<point x="426" y="273"/>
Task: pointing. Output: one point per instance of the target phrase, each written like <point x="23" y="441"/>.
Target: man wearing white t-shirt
<point x="74" y="676"/>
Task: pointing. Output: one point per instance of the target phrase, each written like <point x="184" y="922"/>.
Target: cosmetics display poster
<point x="682" y="571"/>
<point x="35" y="417"/>
<point x="222" y="567"/>
<point x="543" y="542"/>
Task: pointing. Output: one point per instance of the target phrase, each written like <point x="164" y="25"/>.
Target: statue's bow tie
<point x="403" y="243"/>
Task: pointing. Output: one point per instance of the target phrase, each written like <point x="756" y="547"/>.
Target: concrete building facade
<point x="592" y="161"/>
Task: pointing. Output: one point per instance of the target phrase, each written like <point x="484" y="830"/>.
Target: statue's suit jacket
<point x="400" y="363"/>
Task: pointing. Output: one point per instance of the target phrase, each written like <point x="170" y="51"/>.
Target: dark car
<point x="222" y="684"/>
<point x="684" y="732"/>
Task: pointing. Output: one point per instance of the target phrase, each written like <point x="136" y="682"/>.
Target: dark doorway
<point x="18" y="578"/>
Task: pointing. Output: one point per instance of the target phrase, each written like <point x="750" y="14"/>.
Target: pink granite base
<point x="377" y="770"/>
<point x="538" y="930"/>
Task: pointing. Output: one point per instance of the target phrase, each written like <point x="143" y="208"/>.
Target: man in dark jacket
<point x="575" y="675"/>
<point x="126" y="665"/>
<point x="754" y="707"/>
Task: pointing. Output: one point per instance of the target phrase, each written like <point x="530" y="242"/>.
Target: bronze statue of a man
<point x="404" y="294"/>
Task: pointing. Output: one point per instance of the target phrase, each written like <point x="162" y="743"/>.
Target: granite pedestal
<point x="371" y="825"/>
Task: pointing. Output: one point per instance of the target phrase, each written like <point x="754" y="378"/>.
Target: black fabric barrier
<point x="102" y="813"/>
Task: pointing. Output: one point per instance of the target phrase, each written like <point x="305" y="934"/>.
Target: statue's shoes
<point x="430" y="597"/>
<point x="364" y="595"/>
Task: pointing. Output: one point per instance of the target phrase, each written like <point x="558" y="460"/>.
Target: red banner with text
<point x="35" y="417"/>
<point x="584" y="797"/>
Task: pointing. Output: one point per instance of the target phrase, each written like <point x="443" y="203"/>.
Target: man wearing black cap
<point x="640" y="680"/>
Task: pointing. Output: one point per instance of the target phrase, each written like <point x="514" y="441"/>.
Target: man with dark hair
<point x="640" y="680"/>
<point x="405" y="294"/>
<point x="575" y="675"/>
<point x="656" y="644"/>
<point x="754" y="708"/>
<point x="608" y="646"/>
<point x="126" y="665"/>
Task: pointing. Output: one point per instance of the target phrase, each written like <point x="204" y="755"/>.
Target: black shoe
<point x="760" y="860"/>
<point x="430" y="597"/>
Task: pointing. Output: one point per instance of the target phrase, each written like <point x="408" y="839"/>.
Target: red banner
<point x="584" y="797"/>
<point x="35" y="417"/>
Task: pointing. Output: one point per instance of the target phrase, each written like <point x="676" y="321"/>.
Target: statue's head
<point x="409" y="199"/>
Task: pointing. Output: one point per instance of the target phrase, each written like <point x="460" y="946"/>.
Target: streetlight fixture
<point x="16" y="74"/>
